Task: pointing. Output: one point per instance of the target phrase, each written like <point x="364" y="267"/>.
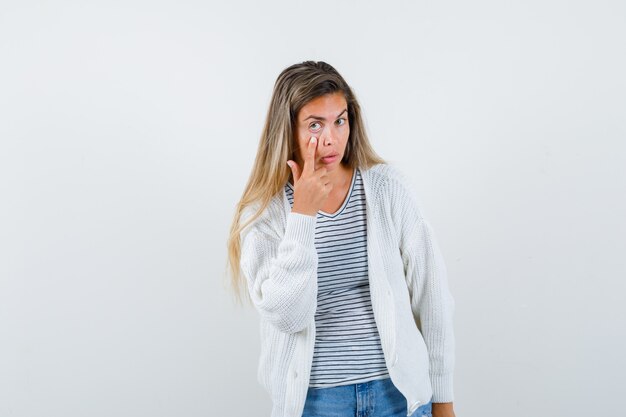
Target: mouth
<point x="329" y="158"/>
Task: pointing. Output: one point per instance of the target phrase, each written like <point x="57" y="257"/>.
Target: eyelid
<point x="320" y="122"/>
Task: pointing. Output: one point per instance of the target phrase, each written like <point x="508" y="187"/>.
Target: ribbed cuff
<point x="301" y="228"/>
<point x="443" y="391"/>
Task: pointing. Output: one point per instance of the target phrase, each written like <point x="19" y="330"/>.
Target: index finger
<point x="309" y="161"/>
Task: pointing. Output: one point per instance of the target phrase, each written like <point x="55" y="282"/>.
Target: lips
<point x="329" y="159"/>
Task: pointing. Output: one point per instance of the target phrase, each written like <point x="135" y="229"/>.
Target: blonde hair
<point x="294" y="88"/>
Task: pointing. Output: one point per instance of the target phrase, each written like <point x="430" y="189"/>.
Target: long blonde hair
<point x="295" y="87"/>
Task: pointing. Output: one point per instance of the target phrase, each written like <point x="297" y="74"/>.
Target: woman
<point x="351" y="287"/>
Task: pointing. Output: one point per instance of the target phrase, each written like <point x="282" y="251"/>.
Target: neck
<point x="341" y="177"/>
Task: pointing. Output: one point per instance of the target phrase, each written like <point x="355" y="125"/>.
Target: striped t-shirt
<point x="347" y="343"/>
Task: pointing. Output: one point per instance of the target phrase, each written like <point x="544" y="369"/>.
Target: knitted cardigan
<point x="413" y="307"/>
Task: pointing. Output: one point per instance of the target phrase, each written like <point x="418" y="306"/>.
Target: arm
<point x="442" y="410"/>
<point x="282" y="273"/>
<point x="431" y="301"/>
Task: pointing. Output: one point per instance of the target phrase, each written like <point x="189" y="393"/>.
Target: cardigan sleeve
<point x="432" y="303"/>
<point x="281" y="273"/>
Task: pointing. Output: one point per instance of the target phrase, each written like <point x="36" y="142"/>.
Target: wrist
<point x="300" y="211"/>
<point x="442" y="410"/>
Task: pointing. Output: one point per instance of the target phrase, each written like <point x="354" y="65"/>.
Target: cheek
<point x="302" y="148"/>
<point x="345" y="139"/>
<point x="303" y="138"/>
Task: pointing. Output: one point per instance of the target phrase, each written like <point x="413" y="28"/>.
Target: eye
<point x="313" y="124"/>
<point x="342" y="119"/>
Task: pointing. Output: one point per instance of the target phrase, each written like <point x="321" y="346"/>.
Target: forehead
<point x="327" y="106"/>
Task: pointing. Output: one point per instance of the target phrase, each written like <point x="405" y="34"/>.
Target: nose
<point x="327" y="137"/>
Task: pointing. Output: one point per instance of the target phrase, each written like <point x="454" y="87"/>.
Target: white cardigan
<point x="412" y="304"/>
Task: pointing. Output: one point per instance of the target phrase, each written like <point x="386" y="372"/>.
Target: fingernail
<point x="312" y="139"/>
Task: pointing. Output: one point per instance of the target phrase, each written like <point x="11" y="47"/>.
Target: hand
<point x="311" y="186"/>
<point x="443" y="410"/>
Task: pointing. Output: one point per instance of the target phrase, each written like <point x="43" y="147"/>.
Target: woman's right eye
<point x="313" y="124"/>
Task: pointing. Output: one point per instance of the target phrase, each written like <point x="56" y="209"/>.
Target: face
<point x="326" y="118"/>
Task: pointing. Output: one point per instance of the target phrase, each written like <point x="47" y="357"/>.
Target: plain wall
<point x="128" y="130"/>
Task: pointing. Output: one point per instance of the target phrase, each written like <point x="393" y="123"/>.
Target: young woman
<point x="333" y="251"/>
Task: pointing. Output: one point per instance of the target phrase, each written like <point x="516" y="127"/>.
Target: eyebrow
<point x="321" y="118"/>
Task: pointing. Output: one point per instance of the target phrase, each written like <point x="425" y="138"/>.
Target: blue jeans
<point x="378" y="398"/>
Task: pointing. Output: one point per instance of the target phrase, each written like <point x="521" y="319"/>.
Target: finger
<point x="322" y="173"/>
<point x="309" y="160"/>
<point x="295" y="170"/>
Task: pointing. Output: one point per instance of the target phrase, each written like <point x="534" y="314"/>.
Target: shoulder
<point x="383" y="171"/>
<point x="388" y="174"/>
<point x="392" y="183"/>
<point x="268" y="217"/>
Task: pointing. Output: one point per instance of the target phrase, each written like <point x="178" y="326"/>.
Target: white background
<point x="128" y="130"/>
